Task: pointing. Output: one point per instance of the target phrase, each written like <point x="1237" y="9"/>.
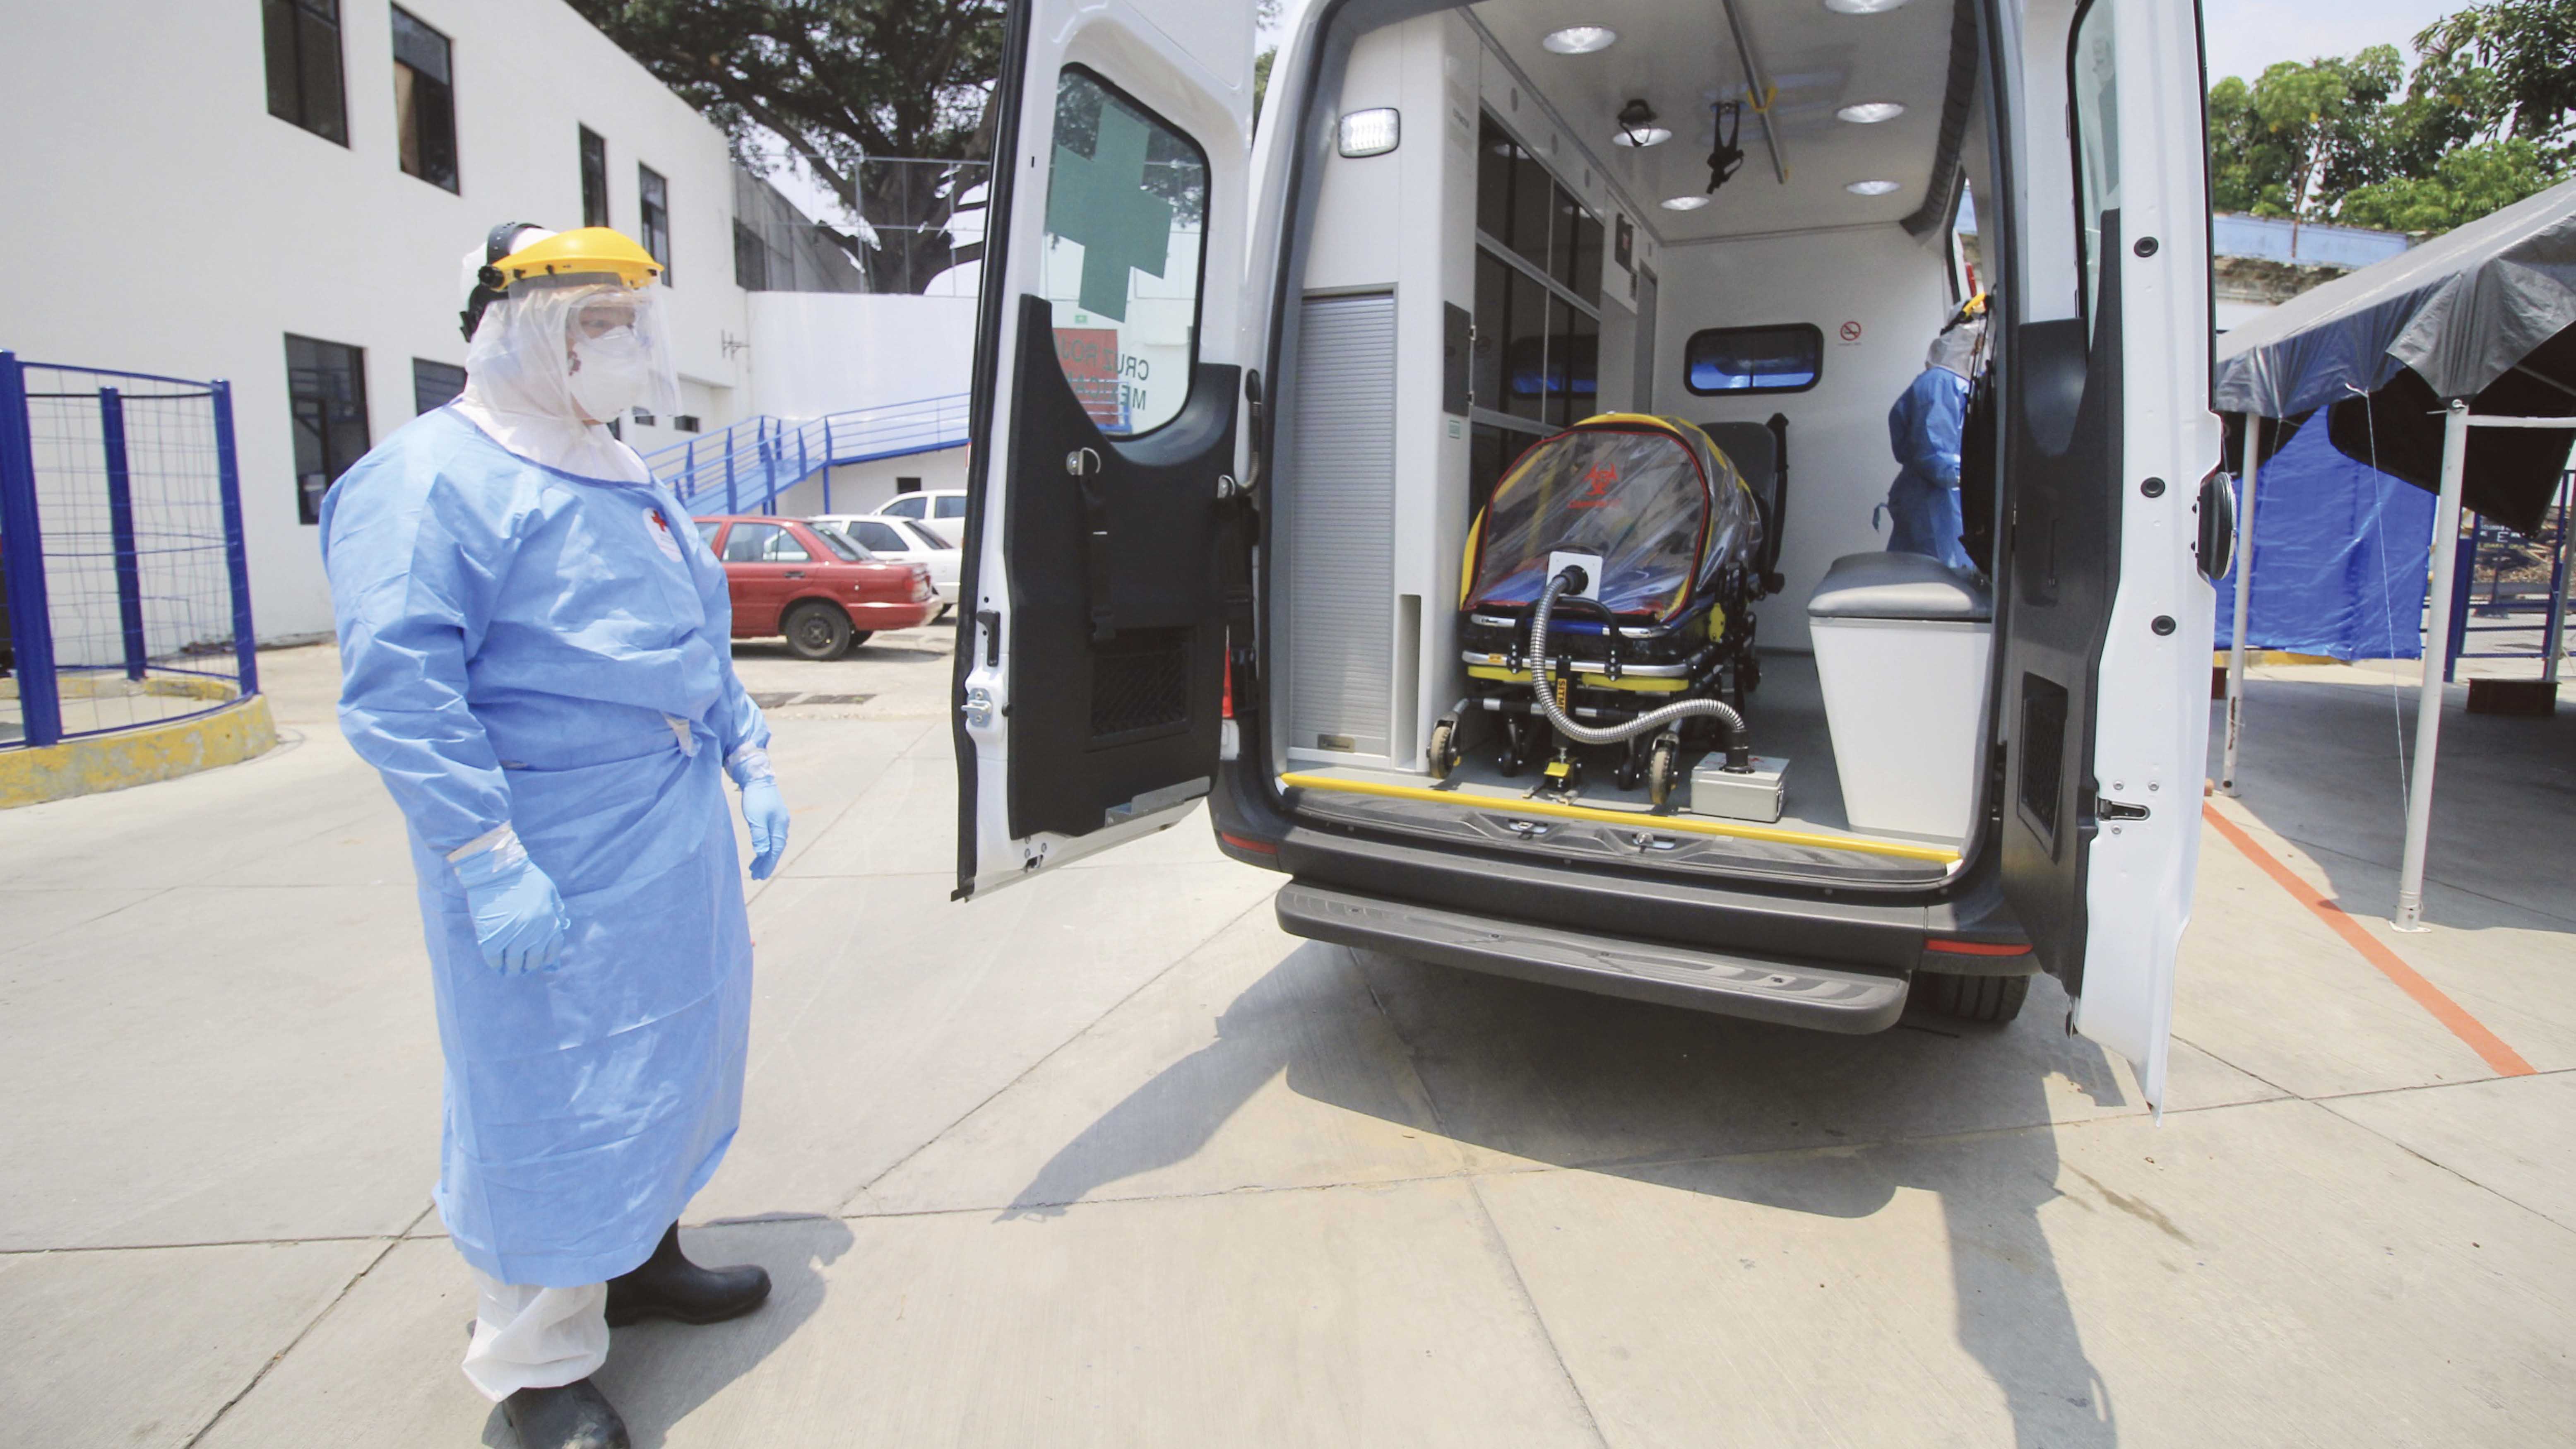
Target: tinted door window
<point x="879" y="537"/>
<point x="950" y="505"/>
<point x="839" y="546"/>
<point x="1126" y="221"/>
<point x="905" y="507"/>
<point x="752" y="542"/>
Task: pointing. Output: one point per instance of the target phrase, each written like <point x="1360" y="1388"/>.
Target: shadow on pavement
<point x="2323" y="764"/>
<point x="1684" y="1100"/>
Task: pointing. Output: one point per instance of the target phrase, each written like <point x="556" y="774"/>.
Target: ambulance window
<point x="1737" y="360"/>
<point x="2094" y="82"/>
<point x="1126" y="222"/>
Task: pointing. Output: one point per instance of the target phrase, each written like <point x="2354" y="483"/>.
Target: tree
<point x="2483" y="122"/>
<point x="2527" y="50"/>
<point x="854" y="89"/>
<point x="2467" y="184"/>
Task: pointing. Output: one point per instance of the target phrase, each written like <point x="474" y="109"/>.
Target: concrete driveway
<point x="1107" y="1159"/>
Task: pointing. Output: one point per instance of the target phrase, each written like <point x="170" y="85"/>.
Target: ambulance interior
<point x="1530" y="239"/>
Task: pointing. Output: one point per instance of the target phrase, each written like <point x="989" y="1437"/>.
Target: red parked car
<point x="822" y="591"/>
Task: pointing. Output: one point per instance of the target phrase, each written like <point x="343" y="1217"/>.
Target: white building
<point x="280" y="195"/>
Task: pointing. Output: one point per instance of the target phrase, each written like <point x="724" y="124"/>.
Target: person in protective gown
<point x="1924" y="429"/>
<point x="536" y="655"/>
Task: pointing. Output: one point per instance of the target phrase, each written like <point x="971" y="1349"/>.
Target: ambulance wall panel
<point x="1340" y="522"/>
<point x="1879" y="296"/>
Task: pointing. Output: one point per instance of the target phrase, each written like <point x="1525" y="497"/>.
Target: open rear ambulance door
<point x="1107" y="382"/>
<point x="2104" y="613"/>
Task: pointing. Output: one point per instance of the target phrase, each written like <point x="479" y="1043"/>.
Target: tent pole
<point x="2554" y="637"/>
<point x="2437" y="644"/>
<point x="2244" y="562"/>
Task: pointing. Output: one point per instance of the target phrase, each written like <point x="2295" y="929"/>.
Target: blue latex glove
<point x="766" y="813"/>
<point x="519" y="920"/>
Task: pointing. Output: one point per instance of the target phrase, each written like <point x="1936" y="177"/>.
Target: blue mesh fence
<point x="128" y="602"/>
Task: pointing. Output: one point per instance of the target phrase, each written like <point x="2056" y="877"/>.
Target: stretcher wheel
<point x="1663" y="766"/>
<point x="1444" y="748"/>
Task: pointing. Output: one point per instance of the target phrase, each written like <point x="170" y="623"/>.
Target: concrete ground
<point x="1106" y="1159"/>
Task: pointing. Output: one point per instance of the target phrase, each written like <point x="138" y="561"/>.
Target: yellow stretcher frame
<point x="1673" y="824"/>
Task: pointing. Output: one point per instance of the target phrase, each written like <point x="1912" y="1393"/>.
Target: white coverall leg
<point x="535" y="1338"/>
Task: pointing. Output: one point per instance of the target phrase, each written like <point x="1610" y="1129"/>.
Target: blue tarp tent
<point x="2340" y="558"/>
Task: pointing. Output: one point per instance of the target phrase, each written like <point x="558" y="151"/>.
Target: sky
<point x="2244" y="36"/>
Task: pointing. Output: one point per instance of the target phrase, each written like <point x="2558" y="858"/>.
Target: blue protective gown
<point x="1923" y="504"/>
<point x="528" y="646"/>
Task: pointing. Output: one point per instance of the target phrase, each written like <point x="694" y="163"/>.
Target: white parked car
<point x="941" y="510"/>
<point x="901" y="540"/>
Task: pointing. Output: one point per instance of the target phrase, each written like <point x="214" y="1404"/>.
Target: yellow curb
<point x="95" y="763"/>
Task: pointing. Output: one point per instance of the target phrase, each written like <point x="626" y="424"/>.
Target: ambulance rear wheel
<point x="1444" y="748"/>
<point x="1663" y="765"/>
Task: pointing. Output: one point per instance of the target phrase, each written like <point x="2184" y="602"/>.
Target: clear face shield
<point x="578" y="347"/>
<point x="1961" y="348"/>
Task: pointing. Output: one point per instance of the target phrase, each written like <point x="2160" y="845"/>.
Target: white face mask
<point x="610" y="372"/>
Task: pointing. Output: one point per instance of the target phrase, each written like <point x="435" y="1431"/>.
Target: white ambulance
<point x="1243" y="395"/>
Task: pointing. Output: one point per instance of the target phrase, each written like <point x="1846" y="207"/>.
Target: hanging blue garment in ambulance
<point x="528" y="646"/>
<point x="1923" y="503"/>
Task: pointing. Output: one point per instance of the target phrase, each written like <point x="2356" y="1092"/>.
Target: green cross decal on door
<point x="1100" y="201"/>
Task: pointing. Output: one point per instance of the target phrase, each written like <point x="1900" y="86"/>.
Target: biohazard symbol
<point x="1599" y="495"/>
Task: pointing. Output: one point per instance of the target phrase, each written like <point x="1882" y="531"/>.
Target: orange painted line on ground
<point x="2505" y="1060"/>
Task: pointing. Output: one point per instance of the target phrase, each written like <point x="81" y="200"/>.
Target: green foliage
<point x="840" y="82"/>
<point x="2465" y="185"/>
<point x="2483" y="122"/>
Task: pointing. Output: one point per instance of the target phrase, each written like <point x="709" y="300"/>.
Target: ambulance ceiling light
<point x="1581" y="39"/>
<point x="1684" y="203"/>
<point x="1862" y="7"/>
<point x="1870" y="188"/>
<point x="1870" y="113"/>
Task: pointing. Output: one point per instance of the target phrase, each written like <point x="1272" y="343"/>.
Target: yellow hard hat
<point x="591" y="251"/>
<point x="588" y="250"/>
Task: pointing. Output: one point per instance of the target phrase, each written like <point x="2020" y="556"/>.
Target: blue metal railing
<point x="746" y="467"/>
<point x="124" y="584"/>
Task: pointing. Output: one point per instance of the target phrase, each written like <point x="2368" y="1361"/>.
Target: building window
<point x="750" y="260"/>
<point x="326" y="396"/>
<point x="1536" y="361"/>
<point x="594" y="178"/>
<point x="1729" y="360"/>
<point x="434" y="384"/>
<point x="655" y="194"/>
<point x="424" y="101"/>
<point x="302" y="38"/>
<point x="684" y="422"/>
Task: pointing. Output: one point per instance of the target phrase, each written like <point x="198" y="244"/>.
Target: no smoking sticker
<point x="1851" y="332"/>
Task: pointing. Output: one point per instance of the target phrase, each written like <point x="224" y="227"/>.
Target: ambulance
<point x="1247" y="382"/>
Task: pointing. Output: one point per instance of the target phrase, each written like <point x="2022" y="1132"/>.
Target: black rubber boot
<point x="670" y="1286"/>
<point x="575" y="1416"/>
